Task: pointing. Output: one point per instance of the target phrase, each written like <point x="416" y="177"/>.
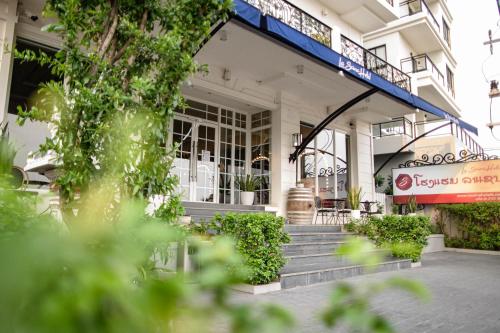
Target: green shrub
<point x="405" y="250"/>
<point x="405" y="236"/>
<point x="479" y="224"/>
<point x="396" y="229"/>
<point x="259" y="239"/>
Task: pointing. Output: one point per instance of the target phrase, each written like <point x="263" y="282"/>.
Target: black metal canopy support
<point x="327" y="120"/>
<point x="406" y="145"/>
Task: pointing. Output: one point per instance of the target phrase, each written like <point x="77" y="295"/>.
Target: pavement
<point x="465" y="292"/>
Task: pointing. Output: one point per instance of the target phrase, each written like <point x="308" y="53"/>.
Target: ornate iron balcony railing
<point x="370" y="61"/>
<point x="412" y="7"/>
<point x="296" y="18"/>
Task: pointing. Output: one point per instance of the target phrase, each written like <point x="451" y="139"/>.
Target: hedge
<point x="405" y="235"/>
<point x="479" y="224"/>
<point x="259" y="239"/>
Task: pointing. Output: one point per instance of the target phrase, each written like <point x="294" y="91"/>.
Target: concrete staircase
<point x="311" y="257"/>
<point x="205" y="211"/>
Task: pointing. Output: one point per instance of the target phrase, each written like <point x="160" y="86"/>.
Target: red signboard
<point x="449" y="183"/>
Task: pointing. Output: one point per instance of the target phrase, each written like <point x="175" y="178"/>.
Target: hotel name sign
<point x="351" y="67"/>
<point x="449" y="183"/>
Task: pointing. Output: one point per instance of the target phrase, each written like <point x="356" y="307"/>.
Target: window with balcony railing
<point x="422" y="63"/>
<point x="446" y="33"/>
<point x="295" y="18"/>
<point x="398" y="126"/>
<point x="450" y="79"/>
<point x="367" y="59"/>
<point x="412" y="7"/>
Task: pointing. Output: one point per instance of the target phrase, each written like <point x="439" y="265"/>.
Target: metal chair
<point x="367" y="208"/>
<point x="323" y="211"/>
<point x="342" y="211"/>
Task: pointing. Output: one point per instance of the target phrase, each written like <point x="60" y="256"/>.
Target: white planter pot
<point x="412" y="214"/>
<point x="355" y="214"/>
<point x="258" y="289"/>
<point x="246" y="198"/>
<point x="435" y="243"/>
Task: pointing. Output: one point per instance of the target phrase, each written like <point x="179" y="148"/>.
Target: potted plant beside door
<point x="354" y="198"/>
<point x="247" y="185"/>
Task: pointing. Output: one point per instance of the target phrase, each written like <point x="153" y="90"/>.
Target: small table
<point x="367" y="207"/>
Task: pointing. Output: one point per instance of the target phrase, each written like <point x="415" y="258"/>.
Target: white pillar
<point x="8" y="20"/>
<point x="285" y="122"/>
<point x="362" y="167"/>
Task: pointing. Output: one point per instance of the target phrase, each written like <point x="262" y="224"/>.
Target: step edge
<point x="330" y="254"/>
<point x="315" y="243"/>
<point x="322" y="233"/>
<point x="343" y="267"/>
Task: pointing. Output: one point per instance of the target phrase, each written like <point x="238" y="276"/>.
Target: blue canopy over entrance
<point x="278" y="30"/>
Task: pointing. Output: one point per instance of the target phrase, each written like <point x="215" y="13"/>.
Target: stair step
<point x="312" y="228"/>
<point x="318" y="236"/>
<point x="304" y="262"/>
<point x="311" y="248"/>
<point x="306" y="278"/>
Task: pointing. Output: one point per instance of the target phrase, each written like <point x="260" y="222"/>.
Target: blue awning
<point x="271" y="26"/>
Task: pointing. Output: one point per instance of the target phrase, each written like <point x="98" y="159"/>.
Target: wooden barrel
<point x="300" y="205"/>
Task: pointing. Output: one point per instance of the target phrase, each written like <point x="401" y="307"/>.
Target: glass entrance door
<point x="194" y="163"/>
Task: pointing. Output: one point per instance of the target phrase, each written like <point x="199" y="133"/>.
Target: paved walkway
<point x="465" y="297"/>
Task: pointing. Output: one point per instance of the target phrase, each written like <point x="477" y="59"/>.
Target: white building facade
<point x="276" y="69"/>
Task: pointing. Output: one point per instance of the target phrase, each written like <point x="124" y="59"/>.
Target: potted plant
<point x="354" y="198"/>
<point x="411" y="205"/>
<point x="247" y="185"/>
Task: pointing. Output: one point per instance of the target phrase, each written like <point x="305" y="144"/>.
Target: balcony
<point x="419" y="27"/>
<point x="364" y="15"/>
<point x="392" y="135"/>
<point x="431" y="83"/>
<point x="413" y="7"/>
<point x="295" y="18"/>
<point x="451" y="138"/>
<point x="389" y="137"/>
<point x="365" y="58"/>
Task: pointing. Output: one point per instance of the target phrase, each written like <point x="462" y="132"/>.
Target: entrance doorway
<point x="195" y="160"/>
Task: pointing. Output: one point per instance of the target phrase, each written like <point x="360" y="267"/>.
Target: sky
<point x="471" y="22"/>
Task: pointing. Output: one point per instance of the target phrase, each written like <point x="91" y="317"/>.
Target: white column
<point x="362" y="167"/>
<point x="285" y="122"/>
<point x="8" y="20"/>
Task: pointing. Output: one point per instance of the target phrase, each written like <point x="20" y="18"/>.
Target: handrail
<point x="412" y="11"/>
<point x="417" y="67"/>
<point x="456" y="131"/>
<point x="296" y="18"/>
<point x="402" y="121"/>
<point x="374" y="63"/>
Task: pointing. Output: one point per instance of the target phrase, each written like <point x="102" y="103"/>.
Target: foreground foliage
<point x="259" y="239"/>
<point x="478" y="223"/>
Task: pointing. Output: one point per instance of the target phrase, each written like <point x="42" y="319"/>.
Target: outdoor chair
<point x="342" y="212"/>
<point x="329" y="212"/>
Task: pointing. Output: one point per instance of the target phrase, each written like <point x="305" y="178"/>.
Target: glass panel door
<point x="194" y="162"/>
<point x="182" y="135"/>
<point x="205" y="170"/>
